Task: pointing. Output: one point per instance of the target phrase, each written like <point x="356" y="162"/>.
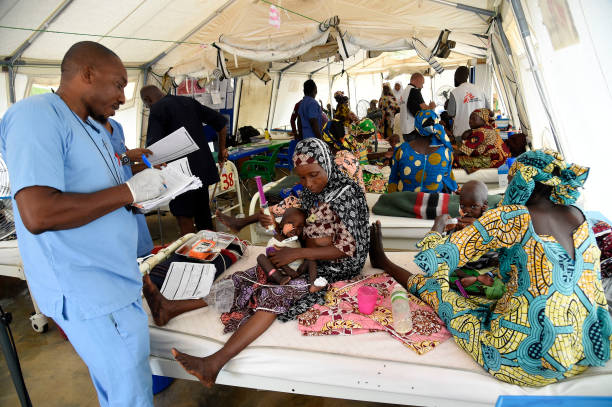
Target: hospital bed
<point x="12" y="266"/>
<point x="398" y="233"/>
<point x="372" y="367"/>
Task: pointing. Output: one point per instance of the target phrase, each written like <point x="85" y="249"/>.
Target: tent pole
<point x="280" y="76"/>
<point x="477" y="10"/>
<point x="270" y="104"/>
<point x="11" y="84"/>
<point x="238" y="103"/>
<point x="19" y="52"/>
<point x="521" y="20"/>
<point x="190" y="33"/>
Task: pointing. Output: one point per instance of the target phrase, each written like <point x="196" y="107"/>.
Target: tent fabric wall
<point x="255" y="101"/>
<point x="577" y="78"/>
<point x="384" y="26"/>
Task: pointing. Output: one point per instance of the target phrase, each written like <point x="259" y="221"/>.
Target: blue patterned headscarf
<point x="539" y="166"/>
<point x="436" y="130"/>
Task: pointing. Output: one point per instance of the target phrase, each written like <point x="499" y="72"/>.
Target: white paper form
<point x="181" y="165"/>
<point x="188" y="280"/>
<point x="177" y="182"/>
<point x="175" y="145"/>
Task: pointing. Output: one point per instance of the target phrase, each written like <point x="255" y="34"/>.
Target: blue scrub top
<point x="117" y="138"/>
<point x="83" y="272"/>
<point x="310" y="109"/>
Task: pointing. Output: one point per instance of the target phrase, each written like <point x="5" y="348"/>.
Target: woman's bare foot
<point x="378" y="258"/>
<point x="202" y="368"/>
<point x="162" y="309"/>
<point x="230" y="221"/>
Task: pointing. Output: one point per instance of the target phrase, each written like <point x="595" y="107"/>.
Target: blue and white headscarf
<point x="435" y="131"/>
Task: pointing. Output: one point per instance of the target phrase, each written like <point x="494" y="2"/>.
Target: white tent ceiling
<point x="239" y="27"/>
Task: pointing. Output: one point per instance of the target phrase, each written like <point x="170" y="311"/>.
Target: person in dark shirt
<point x="296" y="125"/>
<point x="309" y="112"/>
<point x="169" y="113"/>
<point x="415" y="103"/>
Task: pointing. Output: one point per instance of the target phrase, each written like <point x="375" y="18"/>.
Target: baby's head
<point x="473" y="199"/>
<point x="292" y="223"/>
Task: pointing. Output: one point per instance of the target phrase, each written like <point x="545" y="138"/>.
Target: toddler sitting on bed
<point x="472" y="278"/>
<point x="288" y="234"/>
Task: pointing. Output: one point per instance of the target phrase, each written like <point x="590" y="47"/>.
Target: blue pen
<point x="148" y="164"/>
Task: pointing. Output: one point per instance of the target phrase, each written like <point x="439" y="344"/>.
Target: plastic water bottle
<point x="502" y="174"/>
<point x="400" y="306"/>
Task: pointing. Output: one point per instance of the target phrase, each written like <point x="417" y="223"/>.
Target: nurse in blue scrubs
<point x="77" y="235"/>
<point x="126" y="157"/>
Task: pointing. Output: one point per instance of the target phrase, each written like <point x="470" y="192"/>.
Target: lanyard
<point x="113" y="171"/>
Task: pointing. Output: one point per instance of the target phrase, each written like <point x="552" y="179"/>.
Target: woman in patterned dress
<point x="424" y="164"/>
<point x="552" y="323"/>
<point x="481" y="147"/>
<point x="338" y="215"/>
<point x="388" y="105"/>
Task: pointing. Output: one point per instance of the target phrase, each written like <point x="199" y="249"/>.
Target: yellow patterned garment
<point x="552" y="322"/>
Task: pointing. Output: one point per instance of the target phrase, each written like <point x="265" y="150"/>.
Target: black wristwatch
<point x="125" y="160"/>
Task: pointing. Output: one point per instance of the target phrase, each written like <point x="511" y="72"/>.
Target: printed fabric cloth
<point x="415" y="172"/>
<point x="252" y="293"/>
<point x="388" y="104"/>
<point x="603" y="234"/>
<point x="340" y="315"/>
<point x="484" y="148"/>
<point x="551" y="323"/>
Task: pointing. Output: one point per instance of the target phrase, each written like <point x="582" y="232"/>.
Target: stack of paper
<point x="178" y="179"/>
<point x="175" y="145"/>
<point x="188" y="280"/>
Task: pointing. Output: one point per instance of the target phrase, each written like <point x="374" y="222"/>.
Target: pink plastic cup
<point x="368" y="299"/>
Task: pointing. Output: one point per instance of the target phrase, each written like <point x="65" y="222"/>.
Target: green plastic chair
<point x="262" y="165"/>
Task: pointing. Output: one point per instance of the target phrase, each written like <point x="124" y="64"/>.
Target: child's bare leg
<point x="236" y="224"/>
<point x="267" y="266"/>
<point x="207" y="368"/>
<point x="312" y="276"/>
<point x="379" y="259"/>
<point x="163" y="309"/>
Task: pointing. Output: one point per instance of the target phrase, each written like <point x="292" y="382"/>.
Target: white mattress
<point x="486" y="175"/>
<point x="368" y="367"/>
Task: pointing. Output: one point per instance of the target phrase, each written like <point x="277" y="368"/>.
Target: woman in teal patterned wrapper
<point x="552" y="323"/>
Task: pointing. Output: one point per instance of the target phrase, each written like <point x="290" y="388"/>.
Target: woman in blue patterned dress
<point x="425" y="163"/>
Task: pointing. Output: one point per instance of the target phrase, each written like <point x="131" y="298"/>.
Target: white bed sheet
<point x="367" y="366"/>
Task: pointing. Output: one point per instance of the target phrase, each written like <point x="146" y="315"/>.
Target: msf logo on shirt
<point x="469" y="98"/>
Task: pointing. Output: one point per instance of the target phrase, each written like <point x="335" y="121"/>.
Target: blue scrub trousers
<point x="115" y="348"/>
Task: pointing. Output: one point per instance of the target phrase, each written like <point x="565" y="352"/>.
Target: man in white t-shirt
<point x="410" y="102"/>
<point x="464" y="99"/>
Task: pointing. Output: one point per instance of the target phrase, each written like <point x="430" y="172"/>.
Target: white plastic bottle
<point x="502" y="174"/>
<point x="400" y="306"/>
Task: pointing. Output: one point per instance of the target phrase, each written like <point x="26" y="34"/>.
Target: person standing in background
<point x="296" y="125"/>
<point x="464" y="99"/>
<point x="388" y="105"/>
<point x="310" y="112"/>
<point x="411" y="101"/>
<point x="169" y="113"/>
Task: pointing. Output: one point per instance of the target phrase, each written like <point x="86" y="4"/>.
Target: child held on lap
<point x="288" y="234"/>
<point x="472" y="204"/>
